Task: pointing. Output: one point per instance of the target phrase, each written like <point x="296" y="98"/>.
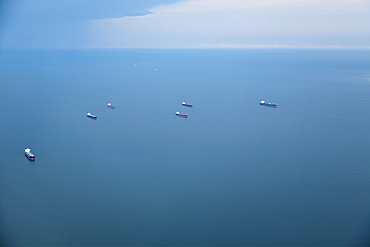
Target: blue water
<point x="233" y="173"/>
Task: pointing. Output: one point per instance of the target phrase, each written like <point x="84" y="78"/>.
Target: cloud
<point x="239" y="23"/>
<point x="214" y="5"/>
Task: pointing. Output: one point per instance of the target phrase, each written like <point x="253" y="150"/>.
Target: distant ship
<point x="91" y="116"/>
<point x="28" y="154"/>
<point x="181" y="115"/>
<point x="188" y="105"/>
<point x="157" y="70"/>
<point x="268" y="104"/>
<point x="110" y="106"/>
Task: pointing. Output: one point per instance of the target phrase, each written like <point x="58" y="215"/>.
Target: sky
<point x="83" y="24"/>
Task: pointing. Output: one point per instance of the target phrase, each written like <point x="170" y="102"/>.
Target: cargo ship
<point x="264" y="103"/>
<point x="91" y="116"/>
<point x="28" y="154"/>
<point x="186" y="104"/>
<point x="110" y="106"/>
<point x="181" y="115"/>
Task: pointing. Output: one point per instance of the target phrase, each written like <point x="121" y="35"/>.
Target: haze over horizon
<point x="184" y="24"/>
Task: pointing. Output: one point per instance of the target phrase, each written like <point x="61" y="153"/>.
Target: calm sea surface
<point x="233" y="173"/>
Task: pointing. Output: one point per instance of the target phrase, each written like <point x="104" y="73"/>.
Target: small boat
<point x="91" y="116"/>
<point x="28" y="154"/>
<point x="110" y="106"/>
<point x="186" y="104"/>
<point x="181" y="115"/>
<point x="264" y="103"/>
<point x="157" y="70"/>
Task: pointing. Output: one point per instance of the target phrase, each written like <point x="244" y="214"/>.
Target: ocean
<point x="233" y="173"/>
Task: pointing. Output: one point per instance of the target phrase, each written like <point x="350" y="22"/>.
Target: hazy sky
<point x="184" y="24"/>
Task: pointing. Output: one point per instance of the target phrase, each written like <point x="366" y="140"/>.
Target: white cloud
<point x="239" y="23"/>
<point x="214" y="5"/>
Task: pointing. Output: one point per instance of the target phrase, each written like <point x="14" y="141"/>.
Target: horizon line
<point x="222" y="47"/>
